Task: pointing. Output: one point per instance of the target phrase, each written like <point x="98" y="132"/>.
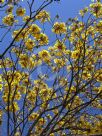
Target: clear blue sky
<point x="67" y="8"/>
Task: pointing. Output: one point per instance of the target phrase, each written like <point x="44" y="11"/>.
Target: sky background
<point x="67" y="8"/>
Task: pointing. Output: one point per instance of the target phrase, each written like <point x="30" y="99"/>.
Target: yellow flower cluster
<point x="1" y="1"/>
<point x="44" y="55"/>
<point x="93" y="126"/>
<point x="45" y="94"/>
<point x="26" y="18"/>
<point x="99" y="26"/>
<point x="42" y="38"/>
<point x="20" y="11"/>
<point x="9" y="75"/>
<point x="8" y="63"/>
<point x="75" y="54"/>
<point x="24" y="59"/>
<point x="33" y="116"/>
<point x="34" y="30"/>
<point x="31" y="96"/>
<point x="60" y="62"/>
<point x="58" y="49"/>
<point x="5" y="96"/>
<point x="14" y="107"/>
<point x="42" y="89"/>
<point x="96" y="9"/>
<point x="59" y="45"/>
<point x="59" y="28"/>
<point x="14" y="95"/>
<point x="83" y="11"/>
<point x="29" y="43"/>
<point x="29" y="62"/>
<point x="9" y="20"/>
<point x="22" y="35"/>
<point x="9" y="10"/>
<point x="43" y="16"/>
<point x="63" y="81"/>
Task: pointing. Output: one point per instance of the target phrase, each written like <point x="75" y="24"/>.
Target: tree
<point x="50" y="88"/>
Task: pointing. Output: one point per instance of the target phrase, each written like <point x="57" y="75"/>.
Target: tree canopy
<point x="50" y="86"/>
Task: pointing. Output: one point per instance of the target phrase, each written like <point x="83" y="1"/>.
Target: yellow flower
<point x="67" y="52"/>
<point x="44" y="55"/>
<point x="60" y="45"/>
<point x="15" y="33"/>
<point x="18" y="96"/>
<point x="96" y="9"/>
<point x="52" y="134"/>
<point x="43" y="93"/>
<point x="24" y="59"/>
<point x="17" y="75"/>
<point x="86" y="75"/>
<point x="13" y="107"/>
<point x="60" y="62"/>
<point x="99" y="26"/>
<point x="26" y="18"/>
<point x="59" y="28"/>
<point x="9" y="20"/>
<point x="34" y="29"/>
<point x="22" y="35"/>
<point x="99" y="78"/>
<point x="97" y="89"/>
<point x="33" y="116"/>
<point x="75" y="54"/>
<point x="17" y="134"/>
<point x="20" y="11"/>
<point x="29" y="44"/>
<point x="82" y="12"/>
<point x="31" y="96"/>
<point x="43" y="39"/>
<point x="1" y="1"/>
<point x="22" y="89"/>
<point x="31" y="63"/>
<point x="41" y="121"/>
<point x="63" y="81"/>
<point x="8" y="63"/>
<point x="9" y="9"/>
<point x="43" y="16"/>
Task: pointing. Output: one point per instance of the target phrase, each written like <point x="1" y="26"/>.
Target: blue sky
<point x="67" y="8"/>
